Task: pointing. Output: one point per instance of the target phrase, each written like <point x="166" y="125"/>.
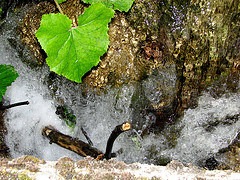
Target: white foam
<point x="24" y="124"/>
<point x="198" y="140"/>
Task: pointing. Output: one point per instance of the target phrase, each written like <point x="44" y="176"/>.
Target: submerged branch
<point x="2" y="107"/>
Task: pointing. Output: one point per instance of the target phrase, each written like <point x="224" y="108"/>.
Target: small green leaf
<point x="67" y="116"/>
<point x="73" y="51"/>
<point x="121" y="5"/>
<point x="7" y="76"/>
<point x="60" y="1"/>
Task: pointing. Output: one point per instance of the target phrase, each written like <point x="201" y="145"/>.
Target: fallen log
<point x="82" y="148"/>
<point x="70" y="143"/>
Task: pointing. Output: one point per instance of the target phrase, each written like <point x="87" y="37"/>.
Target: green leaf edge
<point x="60" y="1"/>
<point x="7" y="76"/>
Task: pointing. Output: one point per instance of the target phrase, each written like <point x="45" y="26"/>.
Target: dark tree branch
<point x="115" y="133"/>
<point x="2" y="107"/>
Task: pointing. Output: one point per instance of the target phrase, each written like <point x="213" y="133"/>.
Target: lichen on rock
<point x="89" y="168"/>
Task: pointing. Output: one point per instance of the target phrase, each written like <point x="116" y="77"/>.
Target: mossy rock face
<point x="164" y="37"/>
<point x="204" y="50"/>
<point x="154" y="33"/>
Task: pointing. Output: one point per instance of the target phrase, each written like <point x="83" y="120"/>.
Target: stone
<point x="88" y="168"/>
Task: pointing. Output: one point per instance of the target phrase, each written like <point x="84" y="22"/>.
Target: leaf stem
<point x="58" y="6"/>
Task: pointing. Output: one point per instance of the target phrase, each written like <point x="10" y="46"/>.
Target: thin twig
<point x="14" y="105"/>
<point x="86" y="136"/>
<point x="58" y="6"/>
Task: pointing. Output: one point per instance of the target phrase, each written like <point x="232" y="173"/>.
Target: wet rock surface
<point x="229" y="158"/>
<point x="161" y="36"/>
<point x="29" y="167"/>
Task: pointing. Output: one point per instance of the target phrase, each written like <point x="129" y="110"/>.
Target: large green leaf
<point x="73" y="51"/>
<point x="121" y="5"/>
<point x="7" y="76"/>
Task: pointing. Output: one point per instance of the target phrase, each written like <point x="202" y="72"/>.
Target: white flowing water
<point x="24" y="123"/>
<point x="199" y="139"/>
<point x="99" y="114"/>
